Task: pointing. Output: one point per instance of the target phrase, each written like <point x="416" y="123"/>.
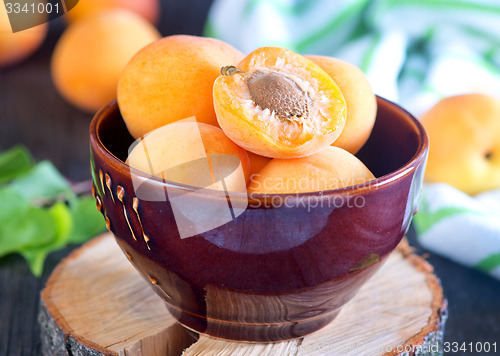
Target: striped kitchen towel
<point x="463" y="228"/>
<point x="414" y="52"/>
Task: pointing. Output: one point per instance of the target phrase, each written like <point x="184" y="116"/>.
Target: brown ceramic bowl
<point x="287" y="264"/>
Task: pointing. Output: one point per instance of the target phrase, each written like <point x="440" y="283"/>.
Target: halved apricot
<point x="277" y="103"/>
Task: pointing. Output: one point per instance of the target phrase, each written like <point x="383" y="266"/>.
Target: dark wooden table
<point x="32" y="113"/>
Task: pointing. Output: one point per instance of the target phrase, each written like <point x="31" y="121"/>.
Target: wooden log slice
<point x="96" y="303"/>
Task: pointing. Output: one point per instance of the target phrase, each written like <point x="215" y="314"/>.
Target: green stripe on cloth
<point x="424" y="220"/>
<point x="480" y="35"/>
<point x="489" y="263"/>
<point x="445" y="5"/>
<point x="415" y="73"/>
<point x="478" y="61"/>
<point x="369" y="54"/>
<point x="352" y="11"/>
<point x="427" y="88"/>
<point x="209" y="29"/>
<point x="283" y="8"/>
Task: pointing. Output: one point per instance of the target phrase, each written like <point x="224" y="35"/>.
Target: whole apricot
<point x="91" y="53"/>
<point x="277" y="103"/>
<point x="257" y="162"/>
<point x="148" y="9"/>
<point x="172" y="79"/>
<point x="17" y="46"/>
<point x="464" y="142"/>
<point x="330" y="168"/>
<point x="192" y="153"/>
<point x="360" y="100"/>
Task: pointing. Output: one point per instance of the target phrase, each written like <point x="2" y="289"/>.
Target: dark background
<point x="32" y="113"/>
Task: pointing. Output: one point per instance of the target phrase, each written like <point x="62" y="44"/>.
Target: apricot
<point x="330" y="168"/>
<point x="464" y="142"/>
<point x="277" y="103"/>
<point x="148" y="9"/>
<point x="17" y="46"/>
<point x="192" y="153"/>
<point x="360" y="99"/>
<point x="91" y="53"/>
<point x="257" y="162"/>
<point x="172" y="79"/>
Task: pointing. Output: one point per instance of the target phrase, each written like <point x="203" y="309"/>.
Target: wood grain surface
<point x="97" y="303"/>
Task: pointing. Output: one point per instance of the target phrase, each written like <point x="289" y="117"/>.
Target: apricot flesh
<point x="172" y="79"/>
<point x="91" y="53"/>
<point x="178" y="152"/>
<point x="330" y="168"/>
<point x="276" y="103"/>
<point x="360" y="100"/>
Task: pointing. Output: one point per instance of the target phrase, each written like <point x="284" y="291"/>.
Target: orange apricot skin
<point x="249" y="135"/>
<point x="14" y="47"/>
<point x="148" y="9"/>
<point x="360" y="99"/>
<point x="172" y="79"/>
<point x="257" y="162"/>
<point x="178" y="143"/>
<point x="330" y="168"/>
<point x="90" y="55"/>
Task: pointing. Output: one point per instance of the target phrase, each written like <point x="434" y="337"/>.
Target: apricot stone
<point x="172" y="79"/>
<point x="330" y="168"/>
<point x="360" y="99"/>
<point x="192" y="153"/>
<point x="148" y="9"/>
<point x="17" y="46"/>
<point x="91" y="53"/>
<point x="277" y="103"/>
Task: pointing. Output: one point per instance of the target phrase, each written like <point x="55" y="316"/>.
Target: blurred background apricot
<point x="148" y="9"/>
<point x="91" y="53"/>
<point x="15" y="47"/>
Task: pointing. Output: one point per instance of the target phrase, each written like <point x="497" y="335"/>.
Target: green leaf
<point x="14" y="162"/>
<point x="42" y="181"/>
<point x="63" y="220"/>
<point x="36" y="255"/>
<point x="33" y="228"/>
<point x="39" y="212"/>
<point x="12" y="205"/>
<point x="87" y="221"/>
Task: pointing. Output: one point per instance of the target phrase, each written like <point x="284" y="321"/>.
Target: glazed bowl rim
<point x="378" y="182"/>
